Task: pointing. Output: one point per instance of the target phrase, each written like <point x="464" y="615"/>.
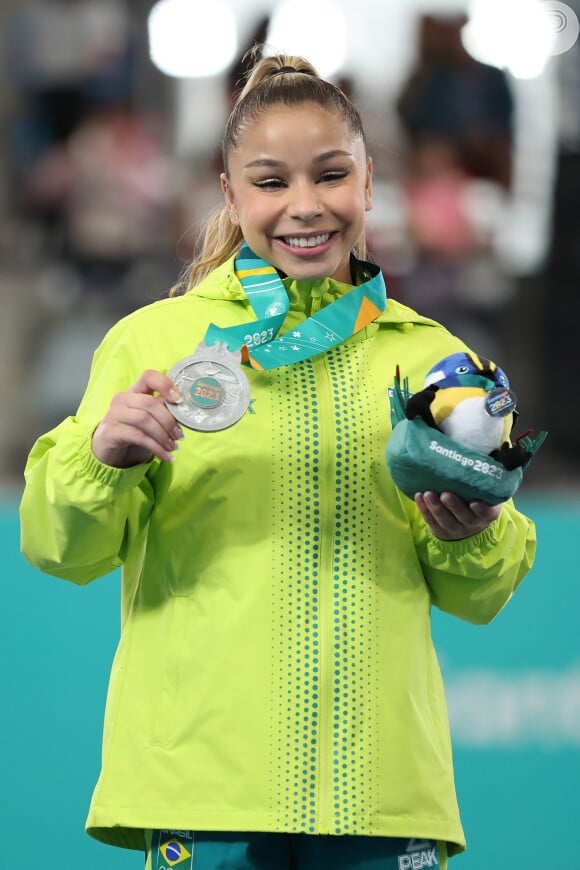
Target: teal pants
<point x="255" y="851"/>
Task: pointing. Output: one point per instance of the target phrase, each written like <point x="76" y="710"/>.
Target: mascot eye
<point x="462" y="370"/>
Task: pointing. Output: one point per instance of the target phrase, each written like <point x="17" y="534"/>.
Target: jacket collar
<point x="222" y="284"/>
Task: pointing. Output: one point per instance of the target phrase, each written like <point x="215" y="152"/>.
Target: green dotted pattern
<point x="323" y="765"/>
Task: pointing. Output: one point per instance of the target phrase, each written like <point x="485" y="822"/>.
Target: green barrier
<point x="513" y="690"/>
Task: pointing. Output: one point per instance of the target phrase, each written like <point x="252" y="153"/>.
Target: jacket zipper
<point x="325" y="604"/>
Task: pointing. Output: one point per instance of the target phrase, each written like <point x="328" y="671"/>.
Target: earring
<point x="234" y="216"/>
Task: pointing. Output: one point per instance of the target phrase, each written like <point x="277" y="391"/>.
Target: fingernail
<point x="174" y="396"/>
<point x="177" y="434"/>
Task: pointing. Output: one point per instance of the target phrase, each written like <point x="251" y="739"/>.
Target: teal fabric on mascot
<point x="420" y="458"/>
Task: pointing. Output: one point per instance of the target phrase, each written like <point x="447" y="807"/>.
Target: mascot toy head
<point x="466" y="370"/>
<point x="454" y="434"/>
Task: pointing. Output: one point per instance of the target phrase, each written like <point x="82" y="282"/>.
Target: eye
<point x="269" y="183"/>
<point x="333" y="175"/>
<point x="462" y="370"/>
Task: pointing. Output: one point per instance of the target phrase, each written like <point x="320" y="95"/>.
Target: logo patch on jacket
<point x="172" y="849"/>
<point x="419" y="854"/>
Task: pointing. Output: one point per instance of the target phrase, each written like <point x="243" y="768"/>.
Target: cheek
<point x="353" y="205"/>
<point x="256" y="213"/>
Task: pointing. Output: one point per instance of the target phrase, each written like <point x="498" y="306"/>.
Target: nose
<point x="304" y="202"/>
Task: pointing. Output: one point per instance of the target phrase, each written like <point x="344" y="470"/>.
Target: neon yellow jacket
<point x="275" y="669"/>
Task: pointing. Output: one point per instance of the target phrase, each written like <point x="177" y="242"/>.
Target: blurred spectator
<point x="109" y="190"/>
<point x="436" y="186"/>
<point x="60" y="57"/>
<point x="558" y="307"/>
<point x="453" y="96"/>
<point x="457" y="116"/>
<point x="440" y="255"/>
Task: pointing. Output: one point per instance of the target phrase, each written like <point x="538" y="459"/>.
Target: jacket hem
<point x="128" y="831"/>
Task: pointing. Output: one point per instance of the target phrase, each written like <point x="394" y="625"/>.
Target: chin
<point x="316" y="271"/>
<point x="301" y="271"/>
<point x="308" y="274"/>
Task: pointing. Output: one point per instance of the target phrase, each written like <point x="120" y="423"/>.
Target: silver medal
<point x="215" y="391"/>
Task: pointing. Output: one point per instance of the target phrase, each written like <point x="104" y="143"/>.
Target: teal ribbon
<point x="259" y="342"/>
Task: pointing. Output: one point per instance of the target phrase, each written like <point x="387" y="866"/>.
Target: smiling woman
<point x="275" y="699"/>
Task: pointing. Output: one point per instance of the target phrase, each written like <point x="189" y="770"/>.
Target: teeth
<point x="310" y="242"/>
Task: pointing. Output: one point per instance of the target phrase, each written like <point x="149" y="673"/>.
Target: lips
<point x="305" y="243"/>
<point x="313" y="254"/>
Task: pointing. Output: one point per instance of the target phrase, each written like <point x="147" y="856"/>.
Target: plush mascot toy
<point x="454" y="434"/>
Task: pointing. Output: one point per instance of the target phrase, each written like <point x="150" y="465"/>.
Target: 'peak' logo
<point x="419" y="854"/>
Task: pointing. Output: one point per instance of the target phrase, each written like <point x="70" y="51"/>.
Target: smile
<point x="306" y="241"/>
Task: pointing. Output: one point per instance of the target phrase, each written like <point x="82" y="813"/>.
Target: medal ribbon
<point x="258" y="342"/>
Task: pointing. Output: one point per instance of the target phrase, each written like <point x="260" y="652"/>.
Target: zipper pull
<point x="316" y="295"/>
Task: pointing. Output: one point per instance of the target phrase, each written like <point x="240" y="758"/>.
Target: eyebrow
<point x="320" y="158"/>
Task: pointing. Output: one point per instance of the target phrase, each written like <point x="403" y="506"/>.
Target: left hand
<point x="450" y="518"/>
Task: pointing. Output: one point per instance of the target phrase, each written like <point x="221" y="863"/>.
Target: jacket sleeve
<point x="475" y="578"/>
<point x="78" y="516"/>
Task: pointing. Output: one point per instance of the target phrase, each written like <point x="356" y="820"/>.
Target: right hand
<point x="138" y="425"/>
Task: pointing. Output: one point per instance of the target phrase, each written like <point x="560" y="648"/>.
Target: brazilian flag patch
<point x="172" y="849"/>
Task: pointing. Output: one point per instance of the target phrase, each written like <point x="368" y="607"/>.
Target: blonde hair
<point x="279" y="80"/>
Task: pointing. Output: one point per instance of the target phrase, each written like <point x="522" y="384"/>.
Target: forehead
<point x="303" y="129"/>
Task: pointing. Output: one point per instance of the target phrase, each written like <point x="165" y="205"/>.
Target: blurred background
<point x="111" y="114"/>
